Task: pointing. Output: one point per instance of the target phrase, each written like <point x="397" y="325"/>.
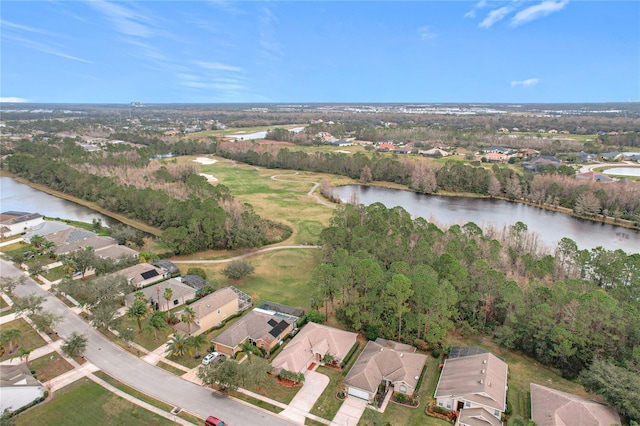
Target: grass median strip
<point x="143" y="397"/>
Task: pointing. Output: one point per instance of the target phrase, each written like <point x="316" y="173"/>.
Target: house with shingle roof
<point x="18" y="387"/>
<point x="550" y="407"/>
<point x="473" y="381"/>
<point x="154" y="295"/>
<point x="212" y="310"/>
<point x="143" y="274"/>
<point x="260" y="328"/>
<point x="395" y="367"/>
<point x="312" y="343"/>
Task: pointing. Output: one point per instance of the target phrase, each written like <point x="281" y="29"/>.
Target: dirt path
<point x="243" y="256"/>
<point x="319" y="199"/>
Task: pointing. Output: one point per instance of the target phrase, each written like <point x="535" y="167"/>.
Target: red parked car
<point x="214" y="421"/>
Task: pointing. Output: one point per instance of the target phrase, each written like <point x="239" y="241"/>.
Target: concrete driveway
<point x="350" y="412"/>
<point x="305" y="399"/>
<point x="136" y="373"/>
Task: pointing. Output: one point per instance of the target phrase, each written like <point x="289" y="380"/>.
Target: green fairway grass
<point x="86" y="403"/>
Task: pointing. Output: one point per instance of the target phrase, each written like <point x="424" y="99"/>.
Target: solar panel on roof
<point x="149" y="274"/>
<point x="272" y="322"/>
<point x="282" y="325"/>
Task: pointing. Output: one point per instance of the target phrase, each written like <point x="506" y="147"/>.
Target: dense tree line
<point x="197" y="223"/>
<point x="388" y="275"/>
<point x="588" y="199"/>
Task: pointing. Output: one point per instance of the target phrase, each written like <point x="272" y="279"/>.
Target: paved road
<point x="243" y="256"/>
<point x="138" y="374"/>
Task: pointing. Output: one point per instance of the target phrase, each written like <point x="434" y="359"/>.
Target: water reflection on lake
<point x="20" y="197"/>
<point x="550" y="226"/>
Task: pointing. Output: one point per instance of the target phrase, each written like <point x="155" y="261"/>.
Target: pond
<point x="550" y="226"/>
<point x="17" y="196"/>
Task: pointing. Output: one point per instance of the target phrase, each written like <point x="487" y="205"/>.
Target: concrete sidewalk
<point x="70" y="377"/>
<point x="37" y="353"/>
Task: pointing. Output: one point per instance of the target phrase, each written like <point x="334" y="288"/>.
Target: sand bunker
<point x="342" y="151"/>
<point x="210" y="178"/>
<point x="205" y="161"/>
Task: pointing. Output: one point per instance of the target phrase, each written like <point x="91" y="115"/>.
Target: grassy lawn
<point x="170" y="368"/>
<point x="47" y="368"/>
<point x="142" y="397"/>
<point x="274" y="390"/>
<point x="283" y="200"/>
<point x="3" y="304"/>
<point x="280" y="276"/>
<point x="256" y="402"/>
<point x="144" y="338"/>
<point x="92" y="405"/>
<point x="327" y="404"/>
<point x="28" y="339"/>
<point x="55" y="274"/>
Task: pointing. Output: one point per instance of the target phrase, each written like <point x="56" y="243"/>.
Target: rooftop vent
<point x="483" y="371"/>
<point x="481" y="381"/>
<point x="484" y="361"/>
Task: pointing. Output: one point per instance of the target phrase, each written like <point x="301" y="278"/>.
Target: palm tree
<point x="24" y="354"/>
<point x="10" y="338"/>
<point x="138" y="311"/>
<point x="177" y="345"/>
<point x="75" y="345"/>
<point x="168" y="294"/>
<point x="188" y="317"/>
<point x="158" y="321"/>
<point x="197" y="342"/>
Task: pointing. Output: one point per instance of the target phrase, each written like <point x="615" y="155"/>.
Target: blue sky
<point x="325" y="51"/>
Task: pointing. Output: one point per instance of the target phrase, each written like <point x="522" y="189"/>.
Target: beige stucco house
<point x="396" y="367"/>
<point x="211" y="310"/>
<point x="311" y="344"/>
<point x="473" y="381"/>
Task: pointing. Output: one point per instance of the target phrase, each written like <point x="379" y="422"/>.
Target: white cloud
<point x="217" y="66"/>
<point x="525" y="83"/>
<point x="13" y="99"/>
<point x="126" y="21"/>
<point x="426" y="32"/>
<point x="494" y="16"/>
<point x="45" y="48"/>
<point x="472" y="13"/>
<point x="538" y="11"/>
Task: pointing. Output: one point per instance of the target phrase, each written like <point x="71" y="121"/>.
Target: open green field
<point x="238" y="130"/>
<point x="86" y="403"/>
<point x="280" y="276"/>
<point x="283" y="198"/>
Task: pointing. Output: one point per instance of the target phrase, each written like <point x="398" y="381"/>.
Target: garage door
<point x="358" y="393"/>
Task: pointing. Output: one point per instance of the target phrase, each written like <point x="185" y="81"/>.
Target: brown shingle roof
<point x="479" y="378"/>
<point x="550" y="407"/>
<point x="254" y="325"/>
<point x="377" y="362"/>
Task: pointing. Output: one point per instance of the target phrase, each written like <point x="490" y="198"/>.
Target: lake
<point x="17" y="196"/>
<point x="550" y="226"/>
